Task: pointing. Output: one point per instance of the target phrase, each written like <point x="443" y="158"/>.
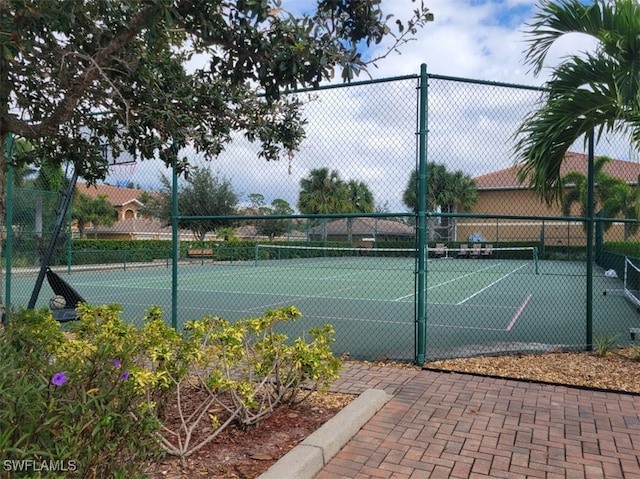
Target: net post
<point x="256" y="252"/>
<point x="535" y="259"/>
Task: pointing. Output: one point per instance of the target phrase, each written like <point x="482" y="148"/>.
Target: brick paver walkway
<point x="457" y="426"/>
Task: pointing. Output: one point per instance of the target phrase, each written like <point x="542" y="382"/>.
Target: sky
<point x="481" y="39"/>
<point x="471" y="39"/>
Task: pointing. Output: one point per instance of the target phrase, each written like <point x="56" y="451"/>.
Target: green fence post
<point x="599" y="246"/>
<point x="542" y="239"/>
<point x="175" y="238"/>
<point x="421" y="294"/>
<point x="69" y="239"/>
<point x="590" y="222"/>
<point x="8" y="225"/>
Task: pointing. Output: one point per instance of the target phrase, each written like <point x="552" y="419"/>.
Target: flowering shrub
<point x="68" y="406"/>
<point x="92" y="402"/>
<point x="247" y="369"/>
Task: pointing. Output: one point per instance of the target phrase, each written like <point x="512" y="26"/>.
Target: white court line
<point x="449" y="281"/>
<point x="489" y="285"/>
<point x="506" y="329"/>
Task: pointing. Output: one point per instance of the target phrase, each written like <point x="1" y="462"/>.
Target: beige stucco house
<point x="500" y="193"/>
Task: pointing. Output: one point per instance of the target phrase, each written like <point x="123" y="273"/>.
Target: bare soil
<point x="247" y="454"/>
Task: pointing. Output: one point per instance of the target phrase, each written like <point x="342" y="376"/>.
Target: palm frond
<point x="556" y="19"/>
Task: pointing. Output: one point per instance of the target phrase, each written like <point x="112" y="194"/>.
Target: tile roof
<point x="117" y="196"/>
<point x="507" y="178"/>
<point x="366" y="226"/>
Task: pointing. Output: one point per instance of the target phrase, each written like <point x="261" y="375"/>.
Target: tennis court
<point x="474" y="305"/>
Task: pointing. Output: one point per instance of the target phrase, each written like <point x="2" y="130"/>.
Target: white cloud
<point x="369" y="132"/>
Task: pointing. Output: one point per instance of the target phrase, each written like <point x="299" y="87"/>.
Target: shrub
<point x="68" y="405"/>
<point x="245" y="369"/>
<point x="93" y="403"/>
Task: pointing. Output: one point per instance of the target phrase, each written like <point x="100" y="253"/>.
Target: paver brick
<point x="464" y="426"/>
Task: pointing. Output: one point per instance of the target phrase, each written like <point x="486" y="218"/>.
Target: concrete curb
<point x="307" y="459"/>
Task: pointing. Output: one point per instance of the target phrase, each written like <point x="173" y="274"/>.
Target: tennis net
<point x="319" y="256"/>
<point x="522" y="259"/>
<point x="630" y="284"/>
<point x="391" y="258"/>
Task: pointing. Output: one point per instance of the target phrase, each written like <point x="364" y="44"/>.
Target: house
<point x="124" y="200"/>
<point x="131" y="223"/>
<point x="136" y="229"/>
<point x="500" y="193"/>
<point x="362" y="232"/>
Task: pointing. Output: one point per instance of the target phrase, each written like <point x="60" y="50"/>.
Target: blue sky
<point x="481" y="39"/>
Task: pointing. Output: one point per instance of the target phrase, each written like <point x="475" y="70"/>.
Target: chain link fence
<point x="332" y="228"/>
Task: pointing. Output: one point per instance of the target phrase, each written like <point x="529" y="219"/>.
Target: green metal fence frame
<point x="421" y="216"/>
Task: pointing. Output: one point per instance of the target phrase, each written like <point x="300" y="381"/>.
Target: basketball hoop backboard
<point x="122" y="173"/>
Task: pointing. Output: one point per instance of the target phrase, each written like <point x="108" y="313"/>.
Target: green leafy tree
<point x="281" y="207"/>
<point x="201" y="193"/>
<point x="258" y="203"/>
<point x="95" y="211"/>
<point x="593" y="91"/>
<point x="60" y="63"/>
<point x="35" y="176"/>
<point x="275" y="227"/>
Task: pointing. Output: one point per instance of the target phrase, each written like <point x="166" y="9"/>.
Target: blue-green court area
<point x="473" y="305"/>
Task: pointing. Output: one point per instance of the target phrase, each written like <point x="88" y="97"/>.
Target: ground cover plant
<point x="104" y="398"/>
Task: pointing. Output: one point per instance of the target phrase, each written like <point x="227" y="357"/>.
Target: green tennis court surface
<point x="473" y="305"/>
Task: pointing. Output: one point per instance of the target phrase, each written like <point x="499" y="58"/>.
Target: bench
<point x="634" y="332"/>
<point x="200" y="253"/>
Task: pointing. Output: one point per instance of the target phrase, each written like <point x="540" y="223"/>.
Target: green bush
<point x="625" y="248"/>
<point x="68" y="405"/>
<point x="91" y="402"/>
<point x="245" y="369"/>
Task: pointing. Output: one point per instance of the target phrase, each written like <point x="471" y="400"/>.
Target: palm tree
<point x="437" y="187"/>
<point x="323" y="192"/>
<point x="624" y="201"/>
<point x="613" y="195"/>
<point x="446" y="191"/>
<point x="575" y="184"/>
<point x="597" y="91"/>
<point x="461" y="194"/>
<point x="361" y="199"/>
